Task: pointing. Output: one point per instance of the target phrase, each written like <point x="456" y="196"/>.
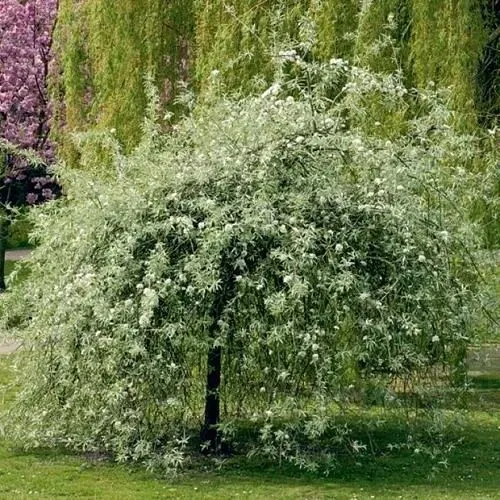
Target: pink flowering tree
<point x="26" y="28"/>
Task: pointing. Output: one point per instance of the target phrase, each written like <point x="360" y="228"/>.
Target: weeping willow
<point x="439" y="41"/>
<point x="239" y="39"/>
<point x="380" y="37"/>
<point x="104" y="50"/>
<point x="381" y="44"/>
<point x="336" y="24"/>
<point x="489" y="71"/>
<point x="448" y="39"/>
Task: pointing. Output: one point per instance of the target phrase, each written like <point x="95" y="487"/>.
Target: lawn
<point x="23" y="270"/>
<point x="473" y="470"/>
<point x="9" y="266"/>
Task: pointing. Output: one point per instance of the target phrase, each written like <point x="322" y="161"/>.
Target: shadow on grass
<point x="470" y="469"/>
<point x="489" y="381"/>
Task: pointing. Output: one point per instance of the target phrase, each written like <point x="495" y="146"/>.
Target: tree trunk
<point x="209" y="432"/>
<point x="256" y="253"/>
<point x="4" y="226"/>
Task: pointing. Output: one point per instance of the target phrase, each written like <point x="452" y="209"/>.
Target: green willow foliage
<point x="336" y="24"/>
<point x="380" y="35"/>
<point x="104" y="50"/>
<point x="452" y="58"/>
<point x="240" y="39"/>
<point x="322" y="262"/>
<point x="432" y="40"/>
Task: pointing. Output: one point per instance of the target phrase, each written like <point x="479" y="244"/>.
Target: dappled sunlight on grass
<point x="470" y="470"/>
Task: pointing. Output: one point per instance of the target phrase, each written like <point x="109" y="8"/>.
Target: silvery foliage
<point x="344" y="249"/>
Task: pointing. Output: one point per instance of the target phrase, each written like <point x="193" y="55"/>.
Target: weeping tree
<point x="453" y="58"/>
<point x="103" y="51"/>
<point x="240" y="39"/>
<point x="430" y="41"/>
<point x="489" y="75"/>
<point x="257" y="272"/>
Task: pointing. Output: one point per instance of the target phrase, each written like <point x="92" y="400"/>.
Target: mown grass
<point x="21" y="267"/>
<point x="472" y="471"/>
<point x="9" y="267"/>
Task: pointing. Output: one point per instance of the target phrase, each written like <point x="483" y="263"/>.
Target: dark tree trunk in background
<point x="4" y="229"/>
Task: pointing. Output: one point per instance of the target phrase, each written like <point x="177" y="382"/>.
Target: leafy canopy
<point x="322" y="260"/>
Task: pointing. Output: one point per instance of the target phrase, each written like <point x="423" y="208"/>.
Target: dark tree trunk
<point x="209" y="432"/>
<point x="255" y="254"/>
<point x="4" y="228"/>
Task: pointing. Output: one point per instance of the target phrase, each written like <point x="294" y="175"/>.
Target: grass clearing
<point x="472" y="470"/>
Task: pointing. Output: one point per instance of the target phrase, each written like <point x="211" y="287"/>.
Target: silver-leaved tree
<point x="261" y="273"/>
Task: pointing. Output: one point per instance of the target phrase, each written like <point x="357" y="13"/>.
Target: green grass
<point x="473" y="471"/>
<point x="23" y="270"/>
<point x="19" y="230"/>
<point x="9" y="267"/>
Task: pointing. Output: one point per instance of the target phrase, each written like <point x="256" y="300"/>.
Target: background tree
<point x="103" y="52"/>
<point x="104" y="49"/>
<point x="25" y="48"/>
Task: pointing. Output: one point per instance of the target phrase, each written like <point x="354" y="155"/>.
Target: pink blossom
<point x="25" y="47"/>
<point x="25" y="42"/>
<point x="31" y="198"/>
